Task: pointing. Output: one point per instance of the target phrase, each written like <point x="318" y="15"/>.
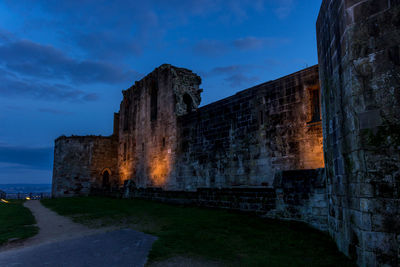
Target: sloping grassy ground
<point x="16" y="221"/>
<point x="235" y="239"/>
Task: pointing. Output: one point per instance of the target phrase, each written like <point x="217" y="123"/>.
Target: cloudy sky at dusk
<point x="63" y="64"/>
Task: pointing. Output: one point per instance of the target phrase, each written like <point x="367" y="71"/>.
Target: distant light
<point x="3" y="200"/>
<point x="28" y="198"/>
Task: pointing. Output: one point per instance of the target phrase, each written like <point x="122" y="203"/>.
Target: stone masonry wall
<point x="244" y="139"/>
<point x="301" y="195"/>
<point x="296" y="195"/>
<point x="148" y="125"/>
<point x="80" y="162"/>
<point x="359" y="57"/>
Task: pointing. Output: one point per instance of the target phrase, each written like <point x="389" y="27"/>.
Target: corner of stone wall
<point x="301" y="195"/>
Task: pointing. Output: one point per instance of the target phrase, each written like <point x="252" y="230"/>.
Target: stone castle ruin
<point x="163" y="139"/>
<point x="321" y="145"/>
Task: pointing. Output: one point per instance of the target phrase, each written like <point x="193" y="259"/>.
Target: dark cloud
<point x="210" y="47"/>
<point x="17" y="87"/>
<point x="91" y="97"/>
<point x="108" y="45"/>
<point x="250" y="43"/>
<point x="119" y="29"/>
<point x="36" y="158"/>
<point x="17" y="173"/>
<point x="239" y="80"/>
<point x="227" y="69"/>
<point x="5" y="36"/>
<point x="232" y="69"/>
<point x="237" y="76"/>
<point x="29" y="58"/>
<point x="54" y="111"/>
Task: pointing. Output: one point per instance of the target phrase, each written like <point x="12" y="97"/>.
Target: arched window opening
<point x="187" y="99"/>
<point x="106" y="179"/>
<point x="315" y="106"/>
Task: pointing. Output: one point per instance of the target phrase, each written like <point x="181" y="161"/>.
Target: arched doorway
<point x="106" y="179"/>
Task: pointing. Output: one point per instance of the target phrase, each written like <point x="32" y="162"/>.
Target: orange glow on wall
<point x="159" y="170"/>
<point x="311" y="151"/>
<point x="125" y="173"/>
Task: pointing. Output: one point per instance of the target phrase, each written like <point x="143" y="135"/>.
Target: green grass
<point x="235" y="239"/>
<point x="16" y="221"/>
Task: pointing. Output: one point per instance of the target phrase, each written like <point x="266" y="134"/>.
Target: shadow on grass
<point x="16" y="221"/>
<point x="232" y="238"/>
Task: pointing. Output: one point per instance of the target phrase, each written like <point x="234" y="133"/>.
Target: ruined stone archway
<point x="105" y="180"/>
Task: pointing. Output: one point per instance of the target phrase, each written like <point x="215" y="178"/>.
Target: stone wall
<point x="359" y="57"/>
<point x="164" y="140"/>
<point x="148" y="124"/>
<point x="80" y="163"/>
<point x="301" y="195"/>
<point x="296" y="195"/>
<point x="246" y="138"/>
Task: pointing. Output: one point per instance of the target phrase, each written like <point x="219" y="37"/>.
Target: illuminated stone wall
<point x="80" y="162"/>
<point x="162" y="139"/>
<point x="246" y="138"/>
<point x="359" y="57"/>
<point x="148" y="125"/>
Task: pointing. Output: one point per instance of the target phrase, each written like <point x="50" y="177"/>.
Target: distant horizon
<point x="26" y="184"/>
<point x="25" y="188"/>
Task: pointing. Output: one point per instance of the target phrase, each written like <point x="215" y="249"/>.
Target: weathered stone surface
<point x="358" y="50"/>
<point x="148" y="125"/>
<point x="80" y="163"/>
<point x="246" y="138"/>
<point x="163" y="139"/>
<point x="296" y="195"/>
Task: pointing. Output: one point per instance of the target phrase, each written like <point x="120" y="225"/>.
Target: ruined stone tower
<point x="148" y="125"/>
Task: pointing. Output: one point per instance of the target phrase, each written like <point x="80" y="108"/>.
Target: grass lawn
<point x="235" y="239"/>
<point x="16" y="221"/>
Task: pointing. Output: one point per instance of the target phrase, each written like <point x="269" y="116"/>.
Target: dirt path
<point x="61" y="242"/>
<point x="52" y="227"/>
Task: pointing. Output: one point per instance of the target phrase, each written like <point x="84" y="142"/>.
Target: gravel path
<point x="61" y="242"/>
<point x="53" y="227"/>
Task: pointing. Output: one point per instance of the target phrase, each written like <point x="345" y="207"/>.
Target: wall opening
<point x="187" y="99"/>
<point x="315" y="106"/>
<point x="153" y="103"/>
<point x="106" y="179"/>
<point x="261" y="117"/>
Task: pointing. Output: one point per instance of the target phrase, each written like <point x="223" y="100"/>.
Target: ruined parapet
<point x="82" y="163"/>
<point x="359" y="59"/>
<point x="186" y="89"/>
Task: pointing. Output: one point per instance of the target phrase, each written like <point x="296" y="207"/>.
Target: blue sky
<point x="63" y="64"/>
